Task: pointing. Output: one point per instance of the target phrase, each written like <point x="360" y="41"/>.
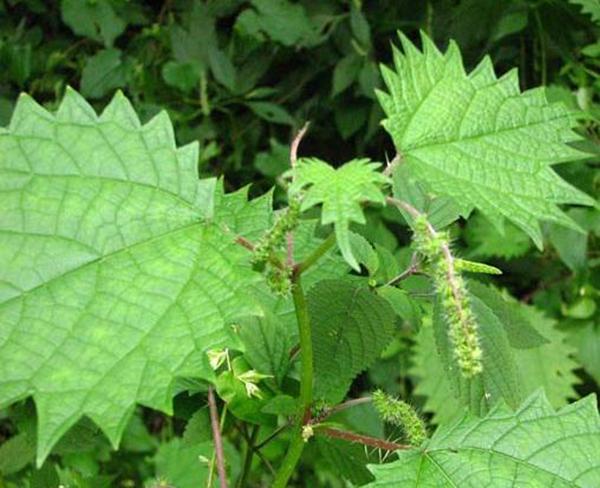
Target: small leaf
<point x="341" y="192"/>
<point x="198" y="429"/>
<point x="96" y="20"/>
<point x="364" y="253"/>
<point x="184" y="76"/>
<point x="486" y="241"/>
<point x="283" y="21"/>
<point x="345" y="72"/>
<point x="271" y="112"/>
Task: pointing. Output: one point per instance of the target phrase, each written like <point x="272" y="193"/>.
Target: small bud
<point x="216" y="357"/>
<point x="307" y="432"/>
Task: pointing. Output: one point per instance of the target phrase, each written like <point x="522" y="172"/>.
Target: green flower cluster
<point x="453" y="296"/>
<point x="401" y="414"/>
<point x="279" y="278"/>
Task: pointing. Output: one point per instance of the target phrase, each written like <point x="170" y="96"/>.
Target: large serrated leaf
<point x="341" y="192"/>
<point x="351" y="325"/>
<point x="476" y="138"/>
<point x="535" y="446"/>
<point x="113" y="278"/>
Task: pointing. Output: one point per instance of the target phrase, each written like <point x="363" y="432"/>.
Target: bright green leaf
<point x="476" y="138"/>
<point x="591" y="7"/>
<point x="145" y="282"/>
<point x="341" y="192"/>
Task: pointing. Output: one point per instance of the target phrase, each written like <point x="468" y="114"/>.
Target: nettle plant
<point x="126" y="280"/>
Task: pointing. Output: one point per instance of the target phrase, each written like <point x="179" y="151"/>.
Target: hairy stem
<point x="317" y="254"/>
<point x="216" y="431"/>
<point x="411" y="270"/>
<point x="306" y="385"/>
<point x="361" y="439"/>
<point x="342" y="406"/>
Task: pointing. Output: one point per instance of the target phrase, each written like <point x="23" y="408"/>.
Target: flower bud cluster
<point x="279" y="279"/>
<point x="401" y="414"/>
<point x="453" y="296"/>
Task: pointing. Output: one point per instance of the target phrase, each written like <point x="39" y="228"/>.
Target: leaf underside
<point x="113" y="279"/>
<point x="477" y="139"/>
<point x="535" y="446"/>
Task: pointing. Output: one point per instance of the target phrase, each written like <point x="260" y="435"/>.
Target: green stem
<point x="542" y="41"/>
<point x="306" y="380"/>
<point x="249" y="452"/>
<point x="317" y="254"/>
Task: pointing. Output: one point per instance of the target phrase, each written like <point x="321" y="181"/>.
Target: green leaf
<point x="341" y="191"/>
<point x="364" y="253"/>
<point x="487" y="241"/>
<point x="591" y="7"/>
<point x="16" y="453"/>
<point x="222" y="68"/>
<point x="102" y="73"/>
<point x="112" y="271"/>
<point x="275" y="161"/>
<point x="271" y="112"/>
<point x="348" y="461"/>
<point x="283" y="21"/>
<point x="193" y="42"/>
<point x="198" y="429"/>
<point x="186" y="466"/>
<point x="519" y="330"/>
<point x="586" y="339"/>
<point x="345" y="72"/>
<point x="96" y="20"/>
<point x="267" y="342"/>
<point x="476" y="138"/>
<point x="404" y="306"/>
<point x="441" y="211"/>
<point x="548" y="364"/>
<point x="184" y="76"/>
<point x="570" y="245"/>
<point x="351" y="325"/>
<point x="534" y="446"/>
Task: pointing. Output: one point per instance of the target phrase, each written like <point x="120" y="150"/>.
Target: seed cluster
<point x="452" y="292"/>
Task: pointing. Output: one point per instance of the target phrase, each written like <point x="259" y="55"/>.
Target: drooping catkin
<point x="453" y="296"/>
<point x="401" y="414"/>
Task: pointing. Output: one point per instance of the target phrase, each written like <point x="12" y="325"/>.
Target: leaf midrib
<point x="104" y="257"/>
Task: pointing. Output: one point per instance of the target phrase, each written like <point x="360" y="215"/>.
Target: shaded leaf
<point x="351" y="325"/>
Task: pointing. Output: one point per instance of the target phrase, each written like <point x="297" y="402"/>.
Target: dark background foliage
<point x="241" y="77"/>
